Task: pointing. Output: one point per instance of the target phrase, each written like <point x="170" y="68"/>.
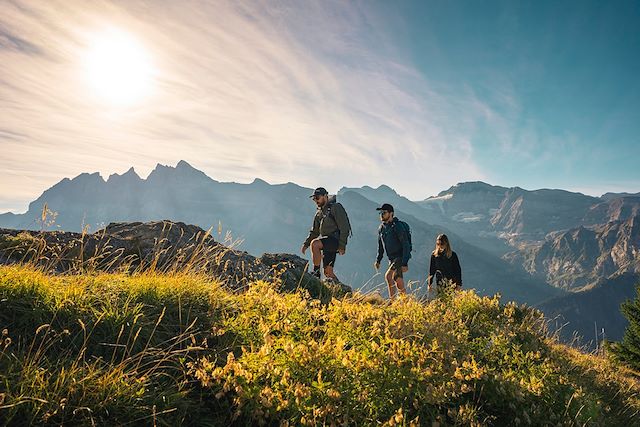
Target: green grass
<point x="153" y="349"/>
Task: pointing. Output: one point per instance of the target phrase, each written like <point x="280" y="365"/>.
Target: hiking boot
<point x="316" y="274"/>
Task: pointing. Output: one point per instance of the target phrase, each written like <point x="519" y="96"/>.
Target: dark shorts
<point x="395" y="264"/>
<point x="329" y="250"/>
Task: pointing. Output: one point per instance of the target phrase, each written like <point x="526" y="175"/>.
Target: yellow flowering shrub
<point x="463" y="360"/>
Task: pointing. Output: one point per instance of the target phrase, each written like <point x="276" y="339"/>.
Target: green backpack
<point x="333" y="217"/>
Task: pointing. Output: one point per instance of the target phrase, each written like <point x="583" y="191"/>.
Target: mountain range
<point x="552" y="248"/>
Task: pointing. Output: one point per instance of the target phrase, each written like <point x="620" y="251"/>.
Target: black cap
<point x="385" y="207"/>
<point x="320" y="191"/>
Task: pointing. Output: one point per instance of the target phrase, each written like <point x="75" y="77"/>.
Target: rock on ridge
<point x="158" y="245"/>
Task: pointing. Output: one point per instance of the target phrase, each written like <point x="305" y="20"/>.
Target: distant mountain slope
<point x="580" y="257"/>
<point x="485" y="212"/>
<point x="468" y="204"/>
<point x="385" y="194"/>
<point x="530" y="215"/>
<point x="467" y="208"/>
<point x="9" y="220"/>
<point x="587" y="313"/>
<point x="617" y="209"/>
<point x="610" y="196"/>
<point x="477" y="198"/>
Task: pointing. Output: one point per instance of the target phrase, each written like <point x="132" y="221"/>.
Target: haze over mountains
<point x="531" y="246"/>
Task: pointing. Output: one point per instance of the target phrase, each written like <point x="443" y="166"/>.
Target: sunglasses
<point x="316" y="197"/>
<point x="439" y="243"/>
<point x="383" y="212"/>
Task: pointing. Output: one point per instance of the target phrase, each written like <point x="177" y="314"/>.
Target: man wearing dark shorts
<point x="395" y="240"/>
<point x="329" y="233"/>
<point x="329" y="250"/>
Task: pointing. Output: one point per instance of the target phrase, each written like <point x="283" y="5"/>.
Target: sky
<point x="417" y="95"/>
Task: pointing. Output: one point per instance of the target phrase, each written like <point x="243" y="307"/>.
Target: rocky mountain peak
<point x="128" y="176"/>
<point x="183" y="165"/>
<point x="182" y="170"/>
<point x="473" y="187"/>
<point x="386" y="189"/>
<point x="88" y="177"/>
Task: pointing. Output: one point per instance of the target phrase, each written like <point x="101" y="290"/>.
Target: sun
<point x="119" y="69"/>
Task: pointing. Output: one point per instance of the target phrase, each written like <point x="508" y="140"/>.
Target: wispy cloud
<point x="310" y="92"/>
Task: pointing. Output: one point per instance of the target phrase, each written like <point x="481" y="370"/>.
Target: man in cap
<point x="329" y="233"/>
<point x="394" y="238"/>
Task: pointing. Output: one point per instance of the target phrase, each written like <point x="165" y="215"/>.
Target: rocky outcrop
<point x="164" y="246"/>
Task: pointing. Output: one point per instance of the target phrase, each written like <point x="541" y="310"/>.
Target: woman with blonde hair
<point x="444" y="264"/>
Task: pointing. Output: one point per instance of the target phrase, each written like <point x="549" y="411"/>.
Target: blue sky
<point x="416" y="95"/>
<point x="560" y="77"/>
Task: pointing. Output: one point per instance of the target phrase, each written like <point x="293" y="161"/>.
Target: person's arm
<point x="380" y="248"/>
<point x="314" y="232"/>
<point x="457" y="271"/>
<point x="432" y="270"/>
<point x="342" y="222"/>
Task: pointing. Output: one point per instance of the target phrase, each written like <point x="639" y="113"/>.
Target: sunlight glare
<point x="119" y="68"/>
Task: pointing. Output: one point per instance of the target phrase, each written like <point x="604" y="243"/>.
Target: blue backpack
<point x="404" y="227"/>
<point x="399" y="227"/>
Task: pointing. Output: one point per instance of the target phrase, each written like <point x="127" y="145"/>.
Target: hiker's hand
<point x="376" y="265"/>
<point x="342" y="251"/>
<point x="303" y="249"/>
<point x="405" y="268"/>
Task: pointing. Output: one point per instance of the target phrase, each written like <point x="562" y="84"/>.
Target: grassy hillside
<point x="109" y="349"/>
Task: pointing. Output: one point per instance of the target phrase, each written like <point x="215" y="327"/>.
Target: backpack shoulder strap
<point x="330" y="213"/>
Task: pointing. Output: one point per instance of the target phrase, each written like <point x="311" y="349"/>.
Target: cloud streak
<point x="311" y="92"/>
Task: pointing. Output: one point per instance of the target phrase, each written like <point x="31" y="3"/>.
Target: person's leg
<point x="316" y="255"/>
<point x="388" y="277"/>
<point x="328" y="272"/>
<point x="399" y="279"/>
<point x="328" y="260"/>
<point x="329" y="252"/>
<point x="400" y="285"/>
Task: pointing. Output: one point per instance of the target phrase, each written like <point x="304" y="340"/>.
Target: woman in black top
<point x="444" y="264"/>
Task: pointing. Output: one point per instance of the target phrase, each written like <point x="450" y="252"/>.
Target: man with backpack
<point x="394" y="238"/>
<point x="329" y="233"/>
